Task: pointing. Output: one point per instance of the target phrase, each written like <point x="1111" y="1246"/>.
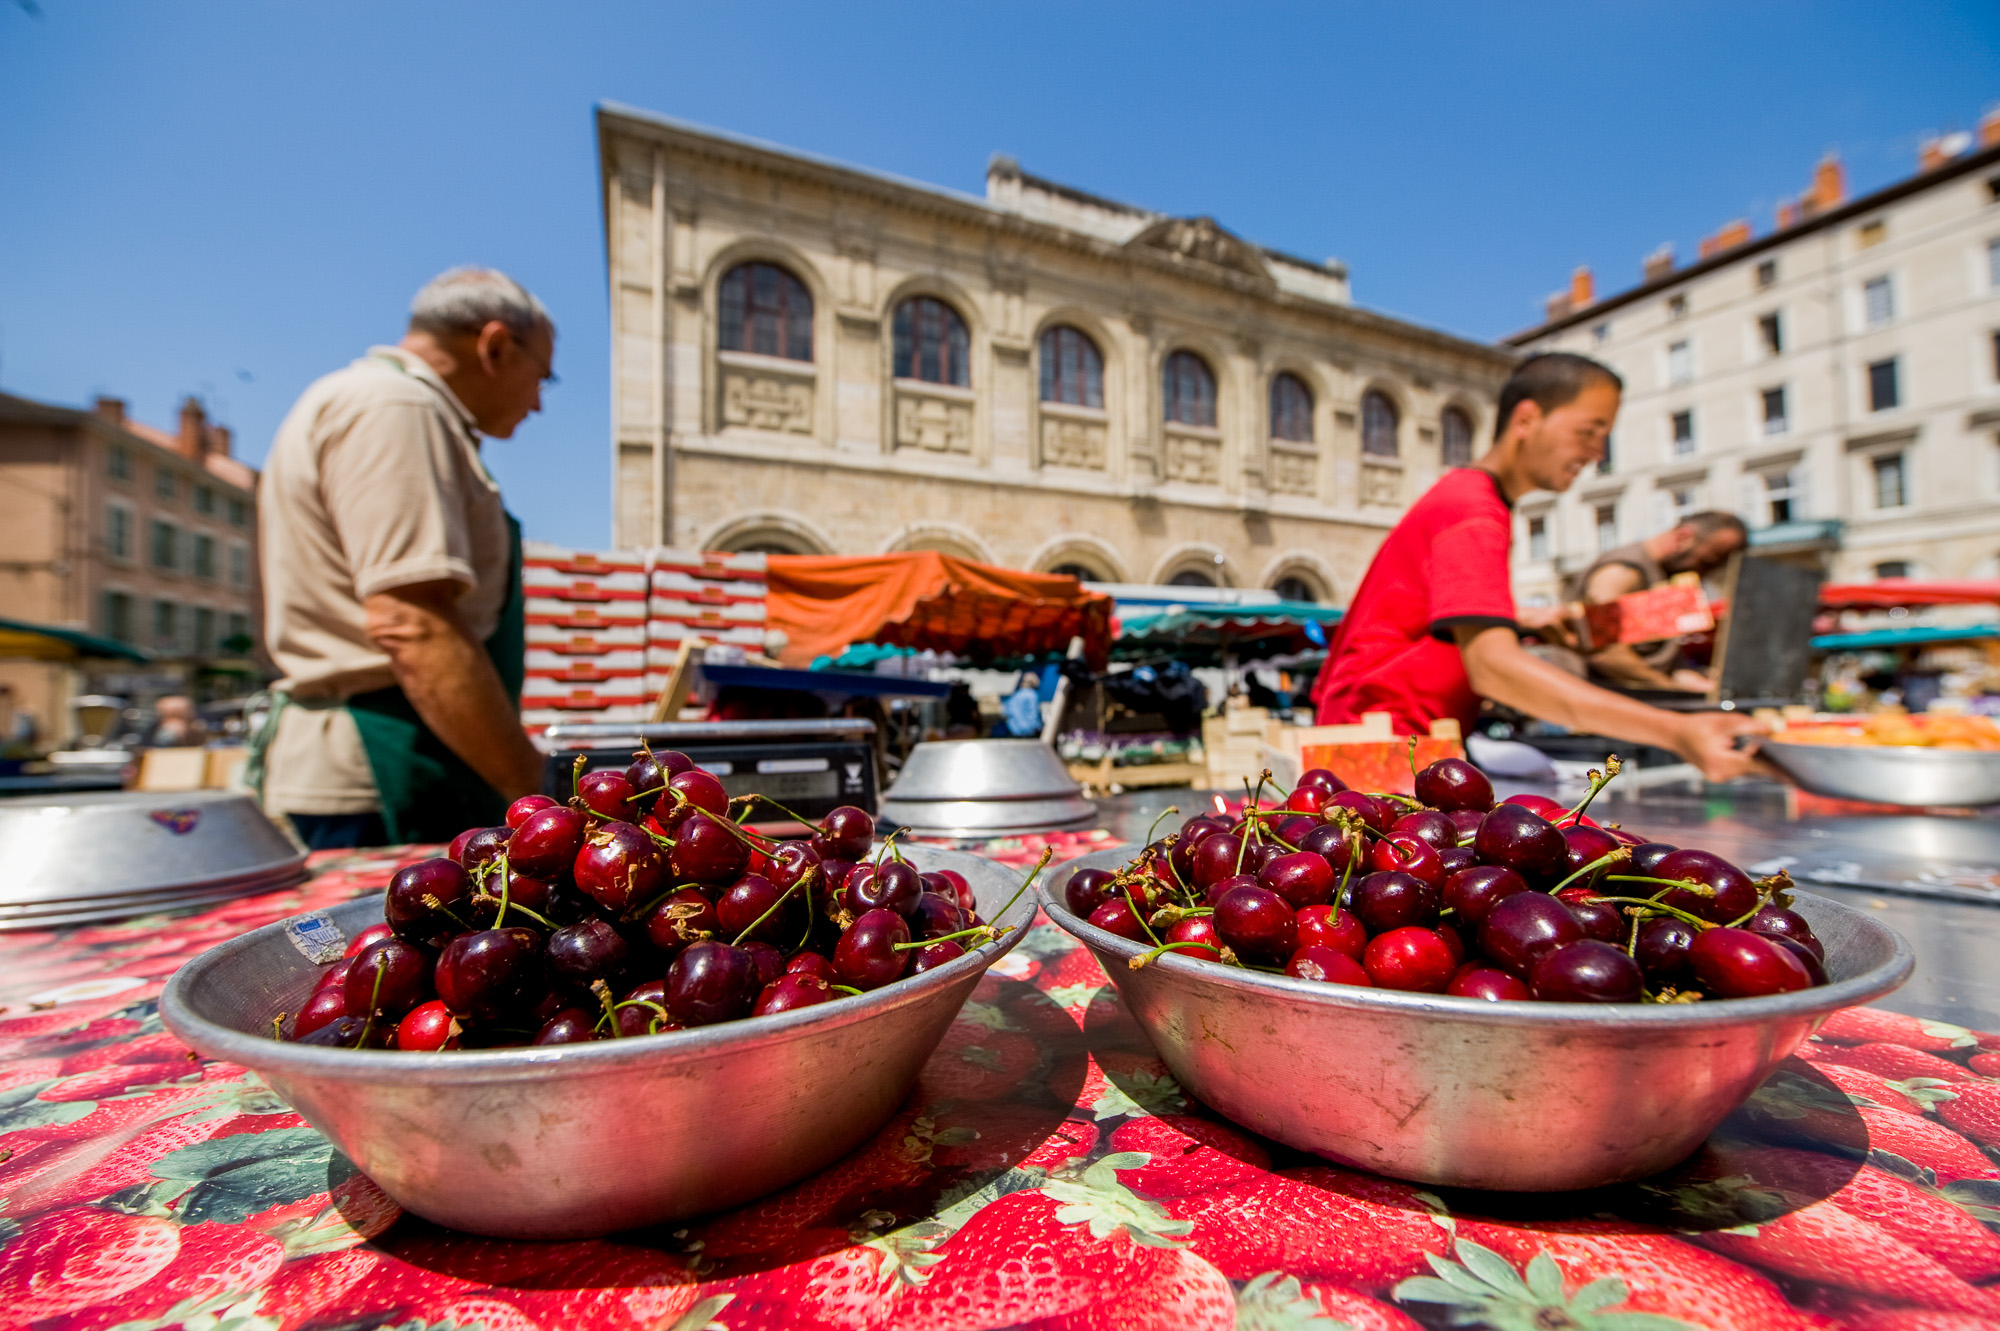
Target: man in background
<point x="1699" y="543"/>
<point x="392" y="578"/>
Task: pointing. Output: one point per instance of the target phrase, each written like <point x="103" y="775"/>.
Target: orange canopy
<point x="927" y="600"/>
<point x="1884" y="592"/>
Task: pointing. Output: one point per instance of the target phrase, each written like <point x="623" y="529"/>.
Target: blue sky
<point x="232" y="199"/>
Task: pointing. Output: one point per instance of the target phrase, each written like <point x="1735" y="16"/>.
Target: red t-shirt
<point x="1445" y="564"/>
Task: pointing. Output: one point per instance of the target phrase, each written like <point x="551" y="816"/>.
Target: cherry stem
<point x="1126" y="888"/>
<point x="1700" y="889"/>
<point x="1662" y="907"/>
<point x="1164" y="814"/>
<point x="844" y="988"/>
<point x="652" y="1023"/>
<point x="576" y="774"/>
<point x="768" y="910"/>
<point x="759" y="796"/>
<point x="1618" y="856"/>
<point x="1413" y="758"/>
<point x="374" y="1007"/>
<point x="1598" y="781"/>
<point x="1340" y="897"/>
<point x="986" y="930"/>
<point x="1140" y="962"/>
<point x="1048" y="853"/>
<point x="506" y="890"/>
<point x="1411" y="801"/>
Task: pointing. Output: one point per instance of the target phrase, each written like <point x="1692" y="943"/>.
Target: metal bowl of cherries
<point x="1455" y="992"/>
<point x="613" y="1012"/>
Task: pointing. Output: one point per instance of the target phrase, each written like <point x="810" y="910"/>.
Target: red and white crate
<point x="535" y="720"/>
<point x="585" y="668"/>
<point x="706" y="565"/>
<point x="556" y="612"/>
<point x="702" y="616"/>
<point x="587" y="642"/>
<point x="541" y="554"/>
<point x="623" y="585"/>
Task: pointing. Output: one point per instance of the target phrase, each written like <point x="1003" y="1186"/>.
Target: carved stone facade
<point x="987" y="376"/>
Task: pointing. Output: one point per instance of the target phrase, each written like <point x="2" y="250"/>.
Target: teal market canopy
<point x="1246" y="632"/>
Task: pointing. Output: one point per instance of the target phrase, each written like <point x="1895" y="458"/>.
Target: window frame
<point x="1883" y="283"/>
<point x="1771" y="332"/>
<point x="1882" y="465"/>
<point x="1174" y="380"/>
<point x="738" y="287"/>
<point x="118" y="464"/>
<point x="1059" y="370"/>
<point x="1369" y="431"/>
<point x="1680" y="362"/>
<point x="1779" y="422"/>
<point x="169" y="613"/>
<point x="1464" y="417"/>
<point x="953" y="348"/>
<point x="1877" y="380"/>
<point x="166" y="484"/>
<point x="1600" y="526"/>
<point x="1299" y="409"/>
<point x="202" y="545"/>
<point x="121" y="530"/>
<point x="163" y="535"/>
<point x="115" y="605"/>
<point x="1676" y="439"/>
<point x="1539" y="545"/>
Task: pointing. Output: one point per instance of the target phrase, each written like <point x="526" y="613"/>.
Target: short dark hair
<point x="1551" y="379"/>
<point x="1709" y="522"/>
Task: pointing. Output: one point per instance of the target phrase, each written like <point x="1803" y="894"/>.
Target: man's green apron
<point x="428" y="792"/>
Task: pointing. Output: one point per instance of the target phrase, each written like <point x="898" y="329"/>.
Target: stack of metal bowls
<point x="1910" y="775"/>
<point x="985" y="788"/>
<point x="1520" y="1096"/>
<point x="77" y="859"/>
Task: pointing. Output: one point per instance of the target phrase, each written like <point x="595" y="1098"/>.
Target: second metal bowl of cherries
<point x="1452" y="991"/>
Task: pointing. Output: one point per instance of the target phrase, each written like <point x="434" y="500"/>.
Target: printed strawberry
<point x="1119" y="1082"/>
<point x="1930" y="1145"/>
<point x="69" y="1017"/>
<point x="354" y="1211"/>
<point x="1482" y="1288"/>
<point x="1912" y="1096"/>
<point x="302" y="1289"/>
<point x="1188" y="1295"/>
<point x="1316" y="1221"/>
<point x="468" y="1310"/>
<point x="29" y="1072"/>
<point x="1976" y="1111"/>
<point x="1190" y="1155"/>
<point x="1275" y="1301"/>
<point x="1072" y="980"/>
<point x="607" y="1287"/>
<point x="1914" y="1319"/>
<point x="159" y="1047"/>
<point x="1823" y="1243"/>
<point x="218" y="1265"/>
<point x="851" y="1287"/>
<point x="1046" y="1252"/>
<point x="896" y="1157"/>
<point x="997" y="1135"/>
<point x="1893" y="1062"/>
<point x="71" y="1259"/>
<point x="110" y="1116"/>
<point x="1986" y="1065"/>
<point x="1869" y="1025"/>
<point x="1920" y="1216"/>
<point x="116" y="1079"/>
<point x="1800" y="1107"/>
<point x="96" y="1169"/>
<point x="974" y="1063"/>
<point x="1661" y="1273"/>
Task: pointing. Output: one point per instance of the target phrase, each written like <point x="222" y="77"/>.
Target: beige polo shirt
<point x="374" y="482"/>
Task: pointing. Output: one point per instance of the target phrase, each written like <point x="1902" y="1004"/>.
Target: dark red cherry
<point x="1453" y="783"/>
<point x="1600" y="919"/>
<point x="1587" y="971"/>
<point x="765" y="960"/>
<point x="1199" y="828"/>
<point x="1198" y="930"/>
<point x="961" y="891"/>
<point x="328" y="1003"/>
<point x="701" y="789"/>
<point x="456" y="850"/>
<point x="1774" y="921"/>
<point x="1217" y="858"/>
<point x="367" y="938"/>
<point x="813" y="963"/>
<point x="1472" y="980"/>
<point x="334" y="976"/>
<point x="1540" y="804"/>
<point x="866" y="955"/>
<point x="1327" y="966"/>
<point x="1308" y="799"/>
<point x="1732" y="894"/>
<point x="620" y="866"/>
<point x="1815" y="968"/>
<point x="518" y="811"/>
<point x="521" y="890"/>
<point x="607" y="793"/>
<point x="1521" y="840"/>
<point x="1519" y="929"/>
<point x="709" y="850"/>
<point x="1378" y="814"/>
<point x="1405" y="852"/>
<point x="1318" y="778"/>
<point x="484" y="845"/>
<point x="933" y="955"/>
<point x="1455" y="858"/>
<point x="1116" y="917"/>
<point x="790" y="992"/>
<point x="391" y="976"/>
<point x="1391" y="900"/>
<point x="489" y="974"/>
<point x="1301" y="878"/>
<point x="895" y="886"/>
<point x="648" y="779"/>
<point x="1086" y="890"/>
<point x="1338" y="848"/>
<point x="686" y="916"/>
<point x="1646" y="857"/>
<point x="1735" y="963"/>
<point x="846" y="833"/>
<point x="1413" y="959"/>
<point x="1662" y="951"/>
<point x="1228" y="885"/>
<point x="591" y="950"/>
<point x="547" y="842"/>
<point x="571" y="1025"/>
<point x="643" y="1010"/>
<point x="1467" y="822"/>
<point x="710" y="982"/>
<point x="1257" y="923"/>
<point x="425" y="901"/>
<point x="936" y="916"/>
<point x="1586" y="846"/>
<point x="1432" y="826"/>
<point x="1323" y="926"/>
<point x="748" y="900"/>
<point x="427" y="1027"/>
<point x="350" y="1033"/>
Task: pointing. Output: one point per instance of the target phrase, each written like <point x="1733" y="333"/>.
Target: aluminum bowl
<point x="1528" y="1097"/>
<point x="1890" y="774"/>
<point x="574" y="1141"/>
<point x="985" y="787"/>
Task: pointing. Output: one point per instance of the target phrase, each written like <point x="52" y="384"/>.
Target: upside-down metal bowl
<point x="1528" y="1097"/>
<point x="1911" y="775"/>
<point x="985" y="788"/>
<point x="578" y="1140"/>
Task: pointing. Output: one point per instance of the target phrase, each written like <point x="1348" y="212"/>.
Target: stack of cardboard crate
<point x="586" y="635"/>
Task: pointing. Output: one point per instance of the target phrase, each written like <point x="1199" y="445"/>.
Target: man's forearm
<point x="1622" y="665"/>
<point x="1505" y="673"/>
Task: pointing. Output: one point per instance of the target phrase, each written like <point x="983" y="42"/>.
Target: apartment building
<point x="1836" y="382"/>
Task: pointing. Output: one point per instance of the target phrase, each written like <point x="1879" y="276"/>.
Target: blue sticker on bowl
<point x="317" y="937"/>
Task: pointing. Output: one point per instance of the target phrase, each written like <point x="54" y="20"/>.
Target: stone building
<point x="812" y="358"/>
<point x="1836" y="382"/>
<point x="149" y="538"/>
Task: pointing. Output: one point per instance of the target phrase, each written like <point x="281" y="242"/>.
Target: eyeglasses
<point x="547" y="367"/>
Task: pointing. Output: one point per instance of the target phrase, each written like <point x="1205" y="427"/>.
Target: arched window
<point x="766" y="310"/>
<point x="1190" y="577"/>
<point x="1294" y="588"/>
<point x="1077" y="571"/>
<point x="1291" y="409"/>
<point x="1457" y="430"/>
<point x="931" y="343"/>
<point x="1072" y="369"/>
<point x="1189" y="388"/>
<point x="1378" y="424"/>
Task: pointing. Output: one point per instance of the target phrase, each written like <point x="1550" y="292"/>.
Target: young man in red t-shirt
<point x="1433" y="628"/>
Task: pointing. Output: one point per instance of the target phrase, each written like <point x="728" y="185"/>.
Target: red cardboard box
<point x="1378" y="765"/>
<point x="1668" y="611"/>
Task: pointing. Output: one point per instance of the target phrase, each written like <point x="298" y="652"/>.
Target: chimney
<point x="1989" y="127"/>
<point x="1556" y="306"/>
<point x="193" y="442"/>
<point x="1582" y="288"/>
<point x="1728" y="238"/>
<point x="219" y="441"/>
<point x="1659" y="263"/>
<point x="1829" y="185"/>
<point x="110" y="410"/>
<point x="1789" y="213"/>
<point x="1931" y="155"/>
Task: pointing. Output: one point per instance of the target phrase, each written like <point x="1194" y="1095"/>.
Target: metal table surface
<point x="1934" y="878"/>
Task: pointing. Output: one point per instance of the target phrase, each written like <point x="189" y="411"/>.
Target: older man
<point x="392" y="581"/>
<point x="1699" y="543"/>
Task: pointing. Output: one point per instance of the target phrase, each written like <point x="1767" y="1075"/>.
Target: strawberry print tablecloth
<point x="1047" y="1173"/>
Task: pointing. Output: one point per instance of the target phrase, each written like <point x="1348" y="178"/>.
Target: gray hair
<point x="465" y="300"/>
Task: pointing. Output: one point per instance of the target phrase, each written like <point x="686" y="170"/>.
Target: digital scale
<point x="811" y="767"/>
